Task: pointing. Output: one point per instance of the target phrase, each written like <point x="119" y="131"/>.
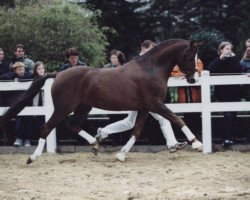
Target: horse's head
<point x="188" y="59"/>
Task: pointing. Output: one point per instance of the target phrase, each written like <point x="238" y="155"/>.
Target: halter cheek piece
<point x="187" y="60"/>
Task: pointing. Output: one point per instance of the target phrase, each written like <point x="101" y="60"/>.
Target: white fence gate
<point x="205" y="107"/>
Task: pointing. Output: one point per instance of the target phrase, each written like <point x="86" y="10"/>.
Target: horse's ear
<point x="195" y="45"/>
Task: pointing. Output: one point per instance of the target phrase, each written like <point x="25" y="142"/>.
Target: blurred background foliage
<point x="95" y="27"/>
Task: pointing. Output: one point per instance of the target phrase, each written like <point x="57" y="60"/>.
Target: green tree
<point x="48" y="30"/>
<point x="126" y="34"/>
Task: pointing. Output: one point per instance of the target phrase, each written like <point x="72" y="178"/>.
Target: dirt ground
<point x="156" y="176"/>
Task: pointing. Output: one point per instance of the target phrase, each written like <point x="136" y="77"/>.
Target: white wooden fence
<point x="206" y="107"/>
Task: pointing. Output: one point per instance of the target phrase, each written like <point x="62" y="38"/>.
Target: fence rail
<point x="206" y="107"/>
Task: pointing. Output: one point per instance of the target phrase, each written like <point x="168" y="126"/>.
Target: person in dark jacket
<point x="72" y="56"/>
<point x="4" y="69"/>
<point x="245" y="64"/>
<point x="226" y="63"/>
<point x="20" y="56"/>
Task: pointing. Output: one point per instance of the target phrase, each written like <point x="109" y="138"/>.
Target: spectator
<point x="4" y="67"/>
<point x="72" y="56"/>
<point x="245" y="64"/>
<point x="38" y="121"/>
<point x="39" y="70"/>
<point x="117" y="58"/>
<point x="21" y="57"/>
<point x="247" y="43"/>
<point x="4" y="70"/>
<point x="72" y="60"/>
<point x="190" y="94"/>
<point x="226" y="63"/>
<point x="23" y="123"/>
<point x="129" y="122"/>
<point x="245" y="61"/>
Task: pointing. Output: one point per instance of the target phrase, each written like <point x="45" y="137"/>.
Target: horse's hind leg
<point x="141" y="117"/>
<point x="81" y="113"/>
<point x="56" y="118"/>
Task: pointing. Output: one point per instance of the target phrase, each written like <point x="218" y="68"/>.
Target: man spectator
<point x="20" y="56"/>
<point x="72" y="56"/>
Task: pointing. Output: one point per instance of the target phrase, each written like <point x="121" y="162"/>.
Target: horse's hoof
<point x="94" y="150"/>
<point x="200" y="149"/>
<point x="29" y="161"/>
<point x="197" y="145"/>
<point x="121" y="156"/>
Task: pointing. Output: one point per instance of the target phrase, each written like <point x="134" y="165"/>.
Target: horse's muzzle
<point x="191" y="79"/>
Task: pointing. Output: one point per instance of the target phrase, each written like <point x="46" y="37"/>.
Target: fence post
<point x="49" y="107"/>
<point x="206" y="112"/>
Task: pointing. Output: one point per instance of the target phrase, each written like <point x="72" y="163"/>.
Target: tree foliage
<point x="120" y="16"/>
<point x="164" y="19"/>
<point x="47" y="31"/>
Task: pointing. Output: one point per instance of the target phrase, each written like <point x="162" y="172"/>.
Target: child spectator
<point x="23" y="123"/>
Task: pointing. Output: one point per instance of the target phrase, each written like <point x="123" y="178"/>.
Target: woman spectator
<point x="117" y="58"/>
<point x="226" y="63"/>
<point x="38" y="71"/>
<point x="245" y="64"/>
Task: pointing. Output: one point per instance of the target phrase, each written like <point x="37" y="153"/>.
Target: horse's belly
<point x="116" y="104"/>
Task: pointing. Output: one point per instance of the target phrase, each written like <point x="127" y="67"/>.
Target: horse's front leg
<point x="165" y="112"/>
<point x="141" y="117"/>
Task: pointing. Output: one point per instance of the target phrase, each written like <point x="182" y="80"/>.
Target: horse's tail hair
<point x="26" y="98"/>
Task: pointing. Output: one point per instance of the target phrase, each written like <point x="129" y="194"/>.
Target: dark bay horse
<point x="139" y="85"/>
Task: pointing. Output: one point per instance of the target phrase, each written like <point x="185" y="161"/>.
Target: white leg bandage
<point x="190" y="136"/>
<point x="129" y="144"/>
<point x="39" y="150"/>
<point x="87" y="137"/>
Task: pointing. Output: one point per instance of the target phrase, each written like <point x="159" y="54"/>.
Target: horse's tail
<point x="27" y="97"/>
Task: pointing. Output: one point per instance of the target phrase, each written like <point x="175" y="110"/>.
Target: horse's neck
<point x="163" y="58"/>
<point x="167" y="56"/>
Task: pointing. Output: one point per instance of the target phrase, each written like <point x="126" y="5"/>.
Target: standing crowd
<point x="23" y="68"/>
